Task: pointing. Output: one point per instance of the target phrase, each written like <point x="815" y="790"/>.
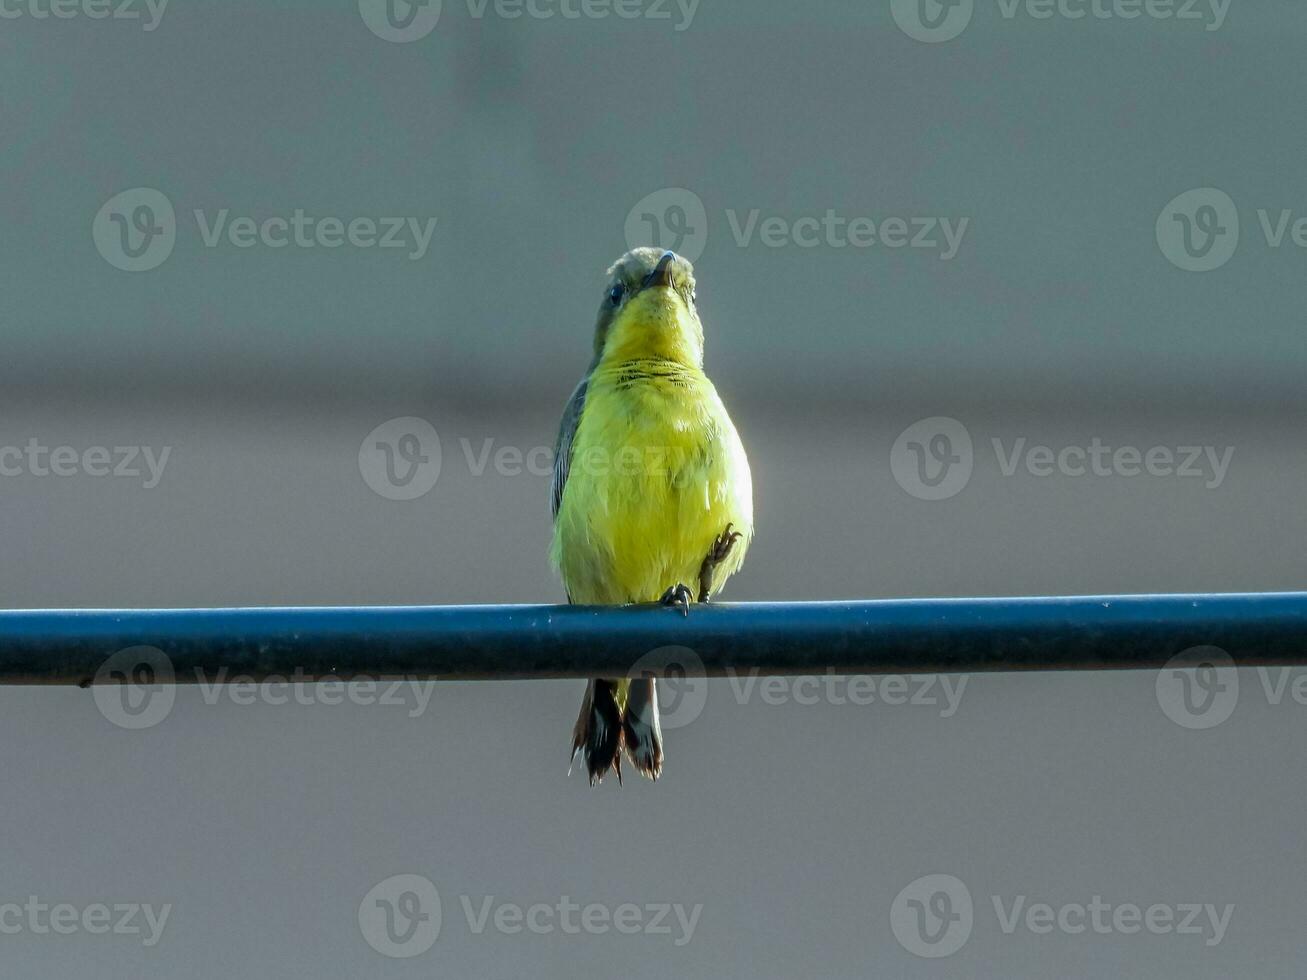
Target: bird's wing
<point x="563" y="448"/>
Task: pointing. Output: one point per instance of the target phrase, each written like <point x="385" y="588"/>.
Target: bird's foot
<point x="717" y="554"/>
<point x="678" y="595"/>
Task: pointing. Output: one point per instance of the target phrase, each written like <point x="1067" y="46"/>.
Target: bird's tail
<point x="642" y="735"/>
<point x="617" y="715"/>
<point x="598" y="732"/>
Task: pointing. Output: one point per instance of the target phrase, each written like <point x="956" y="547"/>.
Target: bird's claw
<point x="721" y="547"/>
<point x="678" y="595"/>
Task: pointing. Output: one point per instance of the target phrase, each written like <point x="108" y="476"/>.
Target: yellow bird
<point x="652" y="495"/>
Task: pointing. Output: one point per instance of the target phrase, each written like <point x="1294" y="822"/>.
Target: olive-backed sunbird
<point x="652" y="495"/>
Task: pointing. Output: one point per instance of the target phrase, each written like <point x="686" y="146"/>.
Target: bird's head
<point x="648" y="310"/>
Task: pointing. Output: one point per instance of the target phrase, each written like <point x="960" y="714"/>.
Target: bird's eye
<point x="616" y="293"/>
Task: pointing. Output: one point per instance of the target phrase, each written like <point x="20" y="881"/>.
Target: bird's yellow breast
<point x="657" y="472"/>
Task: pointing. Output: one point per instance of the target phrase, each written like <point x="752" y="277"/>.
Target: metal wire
<point x="514" y="642"/>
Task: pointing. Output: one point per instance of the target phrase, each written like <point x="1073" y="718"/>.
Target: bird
<point x="652" y="496"/>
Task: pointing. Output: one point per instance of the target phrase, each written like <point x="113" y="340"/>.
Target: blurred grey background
<point x="532" y="141"/>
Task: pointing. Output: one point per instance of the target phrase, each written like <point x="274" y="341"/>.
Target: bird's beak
<point x="662" y="274"/>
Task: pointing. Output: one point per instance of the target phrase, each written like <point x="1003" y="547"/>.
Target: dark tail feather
<point x="642" y="734"/>
<point x="598" y="732"/>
